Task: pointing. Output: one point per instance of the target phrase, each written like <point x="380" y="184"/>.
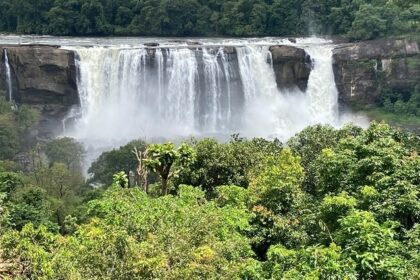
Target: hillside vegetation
<point x="328" y="204"/>
<point x="358" y="19"/>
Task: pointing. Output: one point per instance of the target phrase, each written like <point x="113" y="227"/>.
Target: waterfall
<point x="8" y="76"/>
<point x="177" y="91"/>
<point x="257" y="75"/>
<point x="322" y="91"/>
<point x="284" y="113"/>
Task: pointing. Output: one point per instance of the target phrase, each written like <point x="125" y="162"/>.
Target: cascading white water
<point x="132" y="92"/>
<point x="284" y="113"/>
<point x="322" y="91"/>
<point x="257" y="74"/>
<point x="8" y="76"/>
<point x="178" y="106"/>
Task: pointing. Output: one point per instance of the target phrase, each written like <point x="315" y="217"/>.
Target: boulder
<point x="151" y="44"/>
<point x="193" y="43"/>
<point x="229" y="50"/>
<point x="292" y="66"/>
<point x="362" y="70"/>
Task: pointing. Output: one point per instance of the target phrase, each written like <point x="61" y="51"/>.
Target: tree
<point x="210" y="17"/>
<point x="285" y="18"/>
<point x="29" y="205"/>
<point x="92" y="18"/>
<point x="276" y="197"/>
<point x="14" y="124"/>
<point x="229" y="163"/>
<point x="359" y="221"/>
<point x="165" y="160"/>
<point x="9" y="137"/>
<point x="278" y="186"/>
<point x="31" y="15"/>
<point x="376" y="166"/>
<point x="310" y="142"/>
<point x="62" y="187"/>
<point x="8" y="20"/>
<point x="134" y="237"/>
<point x="64" y="17"/>
<point x="142" y="172"/>
<point x="371" y="246"/>
<point x="413" y="246"/>
<point x="179" y="18"/>
<point x="112" y="162"/>
<point x="315" y="262"/>
<point x="120" y="180"/>
<point x="9" y="182"/>
<point x="371" y="22"/>
<point x="66" y="150"/>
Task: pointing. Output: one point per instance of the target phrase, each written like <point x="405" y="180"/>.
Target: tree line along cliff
<point x="362" y="19"/>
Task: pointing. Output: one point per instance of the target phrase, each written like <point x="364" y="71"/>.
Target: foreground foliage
<point x="329" y="204"/>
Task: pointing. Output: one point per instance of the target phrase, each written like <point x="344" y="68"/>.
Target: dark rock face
<point x="362" y="70"/>
<point x="192" y="43"/>
<point x="292" y="66"/>
<point x="3" y="83"/>
<point x="151" y="44"/>
<point x="43" y="77"/>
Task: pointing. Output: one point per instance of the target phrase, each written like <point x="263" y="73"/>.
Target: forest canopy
<point x="357" y="19"/>
<point x="328" y="204"/>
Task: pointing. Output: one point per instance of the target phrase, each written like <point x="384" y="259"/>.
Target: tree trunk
<point x="164" y="186"/>
<point x="141" y="171"/>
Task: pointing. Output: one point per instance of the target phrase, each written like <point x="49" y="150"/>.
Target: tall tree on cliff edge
<point x="32" y="15"/>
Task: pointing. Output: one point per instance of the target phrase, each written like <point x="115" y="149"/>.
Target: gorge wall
<point x="363" y="70"/>
<point x="43" y="77"/>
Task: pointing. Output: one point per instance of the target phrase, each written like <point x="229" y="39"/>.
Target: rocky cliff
<point x="292" y="66"/>
<point x="363" y="70"/>
<point x="43" y="77"/>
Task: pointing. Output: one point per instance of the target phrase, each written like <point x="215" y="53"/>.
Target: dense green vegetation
<point x="403" y="104"/>
<point x="400" y="109"/>
<point x="14" y="125"/>
<point x="359" y="19"/>
<point x="328" y="204"/>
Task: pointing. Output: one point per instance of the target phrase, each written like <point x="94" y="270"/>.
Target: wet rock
<point x="229" y="50"/>
<point x="292" y="66"/>
<point x="152" y="44"/>
<point x="177" y="41"/>
<point x="192" y="43"/>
